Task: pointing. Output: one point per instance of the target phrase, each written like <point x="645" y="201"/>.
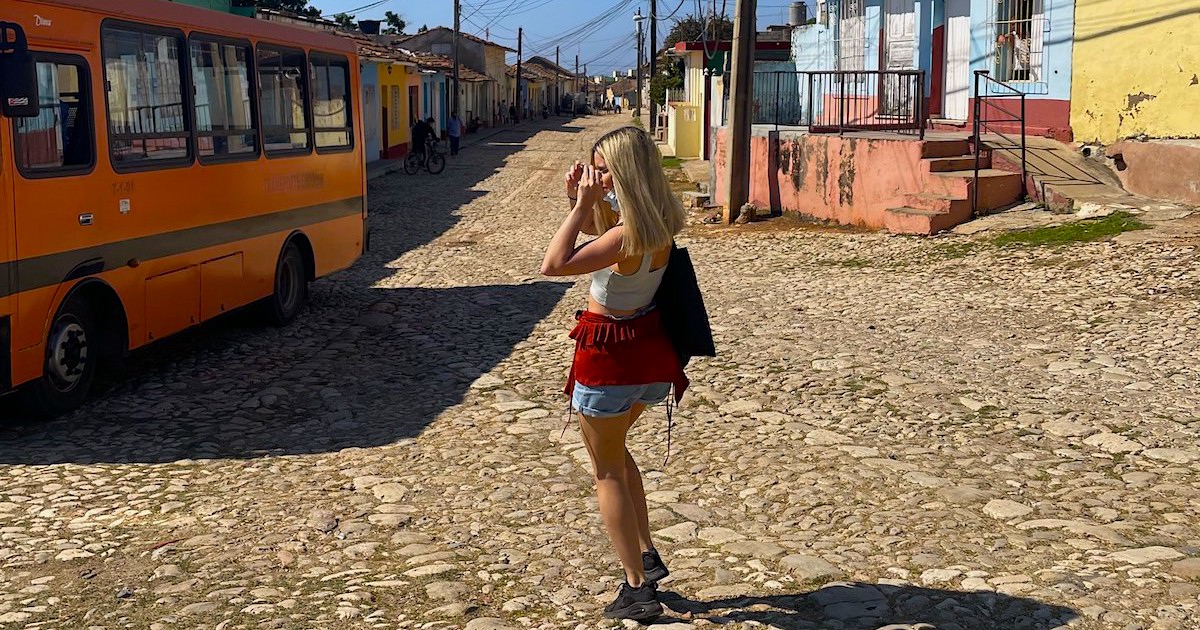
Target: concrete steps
<point x="949" y="182"/>
<point x="944" y="148"/>
<point x="905" y="220"/>
<point x="956" y="163"/>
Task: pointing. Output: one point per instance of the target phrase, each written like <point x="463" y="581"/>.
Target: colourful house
<point x="1025" y="44"/>
<point x="435" y="97"/>
<point x="1137" y="70"/>
<point x="694" y="113"/>
<point x="388" y="94"/>
<point x="483" y="57"/>
<point x="474" y="87"/>
<point x="560" y="82"/>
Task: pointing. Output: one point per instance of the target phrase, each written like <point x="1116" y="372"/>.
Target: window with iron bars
<point x="851" y="34"/>
<point x="1020" y="53"/>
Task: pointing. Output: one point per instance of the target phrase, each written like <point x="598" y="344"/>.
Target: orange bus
<point x="161" y="165"/>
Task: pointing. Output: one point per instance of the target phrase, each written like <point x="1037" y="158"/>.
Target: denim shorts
<point x="606" y="401"/>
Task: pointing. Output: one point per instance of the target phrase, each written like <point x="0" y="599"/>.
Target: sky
<point x="601" y="32"/>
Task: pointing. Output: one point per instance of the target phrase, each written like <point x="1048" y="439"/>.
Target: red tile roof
<point x="445" y="65"/>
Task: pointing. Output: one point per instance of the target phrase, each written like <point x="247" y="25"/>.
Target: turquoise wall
<point x="215" y="5"/>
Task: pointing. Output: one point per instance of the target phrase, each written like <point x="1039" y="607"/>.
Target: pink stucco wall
<point x="851" y="181"/>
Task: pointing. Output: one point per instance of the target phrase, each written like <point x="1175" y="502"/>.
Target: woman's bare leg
<point x="605" y="441"/>
<point x="633" y="479"/>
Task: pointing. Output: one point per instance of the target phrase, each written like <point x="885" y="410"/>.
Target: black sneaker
<point x="653" y="565"/>
<point x="639" y="603"/>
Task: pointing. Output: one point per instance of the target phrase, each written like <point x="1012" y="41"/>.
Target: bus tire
<point x="72" y="354"/>
<point x="291" y="287"/>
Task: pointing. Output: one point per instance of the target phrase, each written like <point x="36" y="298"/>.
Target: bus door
<point x="55" y="195"/>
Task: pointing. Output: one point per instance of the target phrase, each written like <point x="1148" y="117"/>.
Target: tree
<point x="688" y="29"/>
<point x="692" y="28"/>
<point x="298" y="7"/>
<point x="395" y="23"/>
<point x="669" y="77"/>
<point x="344" y="20"/>
<point x="424" y="28"/>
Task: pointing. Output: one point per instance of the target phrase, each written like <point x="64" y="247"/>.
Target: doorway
<point x="899" y="35"/>
<point x="956" y="95"/>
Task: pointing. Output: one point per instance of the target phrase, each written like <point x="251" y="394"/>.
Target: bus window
<point x="146" y="117"/>
<point x="221" y="84"/>
<point x="282" y="103"/>
<point x="59" y="141"/>
<point x="331" y="102"/>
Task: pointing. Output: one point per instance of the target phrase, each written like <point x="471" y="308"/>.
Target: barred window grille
<point x="1020" y="53"/>
<point x="851" y="35"/>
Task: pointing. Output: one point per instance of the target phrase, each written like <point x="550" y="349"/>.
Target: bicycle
<point x="433" y="160"/>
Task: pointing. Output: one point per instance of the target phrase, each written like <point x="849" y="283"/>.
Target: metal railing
<point x="988" y="103"/>
<point x="829" y="101"/>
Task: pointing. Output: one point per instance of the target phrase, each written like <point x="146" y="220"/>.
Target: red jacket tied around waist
<point x="623" y="352"/>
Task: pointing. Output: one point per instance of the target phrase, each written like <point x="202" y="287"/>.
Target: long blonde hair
<point x="650" y="211"/>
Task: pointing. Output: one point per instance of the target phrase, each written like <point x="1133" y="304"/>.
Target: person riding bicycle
<point x="423" y="133"/>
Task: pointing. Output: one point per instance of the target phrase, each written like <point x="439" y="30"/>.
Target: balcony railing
<point x="837" y="101"/>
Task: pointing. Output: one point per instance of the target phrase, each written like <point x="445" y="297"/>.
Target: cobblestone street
<point x="943" y="433"/>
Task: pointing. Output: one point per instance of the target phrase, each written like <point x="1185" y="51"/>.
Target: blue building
<point x="1026" y="44"/>
<point x="434" y="97"/>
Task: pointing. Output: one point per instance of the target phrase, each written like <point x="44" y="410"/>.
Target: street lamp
<point x="637" y="20"/>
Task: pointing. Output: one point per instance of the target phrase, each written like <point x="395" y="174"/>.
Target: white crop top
<point x="627" y="293"/>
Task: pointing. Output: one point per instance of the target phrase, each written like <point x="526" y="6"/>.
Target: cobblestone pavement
<point x="944" y="436"/>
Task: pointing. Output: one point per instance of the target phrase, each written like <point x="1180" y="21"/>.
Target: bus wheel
<point x="71" y="358"/>
<point x="291" y="287"/>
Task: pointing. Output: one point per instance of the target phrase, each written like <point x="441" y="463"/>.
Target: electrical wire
<point x="677" y="8"/>
<point x="584" y="31"/>
<point x="366" y="7"/>
<point x="588" y="27"/>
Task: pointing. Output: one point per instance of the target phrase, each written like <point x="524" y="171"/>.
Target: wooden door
<point x="956" y="97"/>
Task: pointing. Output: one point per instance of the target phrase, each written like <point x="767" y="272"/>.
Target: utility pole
<point x="587" y="97"/>
<point x="454" y="103"/>
<point x="557" y="82"/>
<point x="575" y="84"/>
<point x="517" y="100"/>
<point x="741" y="86"/>
<point x="653" y="63"/>
<point x="637" y="19"/>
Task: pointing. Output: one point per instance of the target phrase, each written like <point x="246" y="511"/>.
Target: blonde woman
<point x="623" y="359"/>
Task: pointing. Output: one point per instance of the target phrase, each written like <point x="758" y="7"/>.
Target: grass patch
<point x="672" y="162"/>
<point x="637" y="121"/>
<point x="956" y="250"/>
<point x="1078" y="232"/>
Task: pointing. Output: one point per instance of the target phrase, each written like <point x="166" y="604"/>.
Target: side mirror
<point x="18" y="74"/>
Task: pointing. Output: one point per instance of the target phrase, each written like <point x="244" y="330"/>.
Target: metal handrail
<point x="980" y="124"/>
<point x="858" y="100"/>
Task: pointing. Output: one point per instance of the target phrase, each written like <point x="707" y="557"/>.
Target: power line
<point x="578" y="34"/>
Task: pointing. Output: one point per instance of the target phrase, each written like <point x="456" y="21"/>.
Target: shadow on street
<point x="362" y="366"/>
<point x="854" y="606"/>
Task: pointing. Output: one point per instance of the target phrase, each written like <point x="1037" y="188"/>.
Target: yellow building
<point x="688" y="121"/>
<point x="394" y="86"/>
<point x="1136" y="70"/>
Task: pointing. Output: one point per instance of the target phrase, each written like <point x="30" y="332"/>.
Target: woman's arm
<point x="563" y="258"/>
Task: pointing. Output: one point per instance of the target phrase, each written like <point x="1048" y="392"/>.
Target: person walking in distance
<point x="454" y="130"/>
<point x="623" y="360"/>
